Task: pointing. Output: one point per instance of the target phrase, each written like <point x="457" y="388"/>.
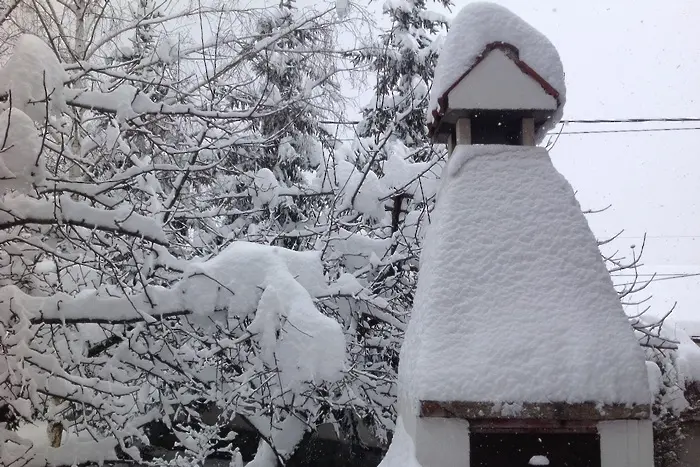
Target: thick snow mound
<point x="32" y="73"/>
<point x="277" y="285"/>
<point x="539" y="460"/>
<point x="514" y="303"/>
<point x="479" y="24"/>
<point x="236" y="278"/>
<point x="30" y="453"/>
<point x="402" y="451"/>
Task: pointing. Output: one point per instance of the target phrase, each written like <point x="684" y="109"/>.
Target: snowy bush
<point x="181" y="235"/>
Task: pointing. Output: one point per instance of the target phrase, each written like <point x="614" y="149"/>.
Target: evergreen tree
<point x="386" y="185"/>
<point x="404" y="62"/>
<point x="393" y="132"/>
<point x="292" y="85"/>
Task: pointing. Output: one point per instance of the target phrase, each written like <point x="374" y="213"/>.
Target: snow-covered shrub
<point x="127" y="292"/>
<point x="674" y="372"/>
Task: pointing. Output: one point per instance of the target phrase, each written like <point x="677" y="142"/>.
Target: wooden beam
<point x="534" y="410"/>
<point x="450" y="144"/>
<point x="505" y="425"/>
<point x="528" y="131"/>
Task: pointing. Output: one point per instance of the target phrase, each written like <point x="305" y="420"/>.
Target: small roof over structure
<point x="493" y="60"/>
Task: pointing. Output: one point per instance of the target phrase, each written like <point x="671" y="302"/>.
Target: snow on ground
<point x="514" y="303"/>
<point x="73" y="450"/>
<point x="479" y="24"/>
<point x="539" y="460"/>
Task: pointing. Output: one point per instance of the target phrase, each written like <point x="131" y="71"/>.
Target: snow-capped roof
<point x="514" y="303"/>
<point x="475" y="28"/>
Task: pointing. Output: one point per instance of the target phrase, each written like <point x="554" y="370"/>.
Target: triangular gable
<point x="499" y="82"/>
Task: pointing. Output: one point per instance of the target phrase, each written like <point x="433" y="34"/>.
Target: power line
<point x="591" y="121"/>
<point x="667" y="274"/>
<point x="634" y="120"/>
<point x="658" y="236"/>
<point x="627" y="130"/>
<point x="684" y="276"/>
<point x="582" y="121"/>
<point x="594" y="132"/>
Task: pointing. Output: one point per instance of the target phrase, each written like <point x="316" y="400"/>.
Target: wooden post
<point x="528" y="133"/>
<point x="55" y="432"/>
<point x="463" y="131"/>
<point x="55" y="428"/>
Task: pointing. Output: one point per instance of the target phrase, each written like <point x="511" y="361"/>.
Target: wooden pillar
<point x="528" y="133"/>
<point x="450" y="144"/>
<point x="463" y="131"/>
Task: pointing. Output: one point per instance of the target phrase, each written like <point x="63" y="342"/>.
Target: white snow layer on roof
<point x="479" y="24"/>
<point x="514" y="303"/>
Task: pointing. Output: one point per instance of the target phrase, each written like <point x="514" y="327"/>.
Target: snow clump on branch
<point x="32" y="74"/>
<point x="20" y="161"/>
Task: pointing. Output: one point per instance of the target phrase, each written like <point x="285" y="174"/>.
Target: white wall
<point x="442" y="442"/>
<point x="626" y="443"/>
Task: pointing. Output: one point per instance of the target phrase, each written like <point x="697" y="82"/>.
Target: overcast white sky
<point x="632" y="59"/>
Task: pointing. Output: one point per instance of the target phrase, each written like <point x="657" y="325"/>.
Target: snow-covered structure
<point x="500" y="79"/>
<point x="518" y="347"/>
